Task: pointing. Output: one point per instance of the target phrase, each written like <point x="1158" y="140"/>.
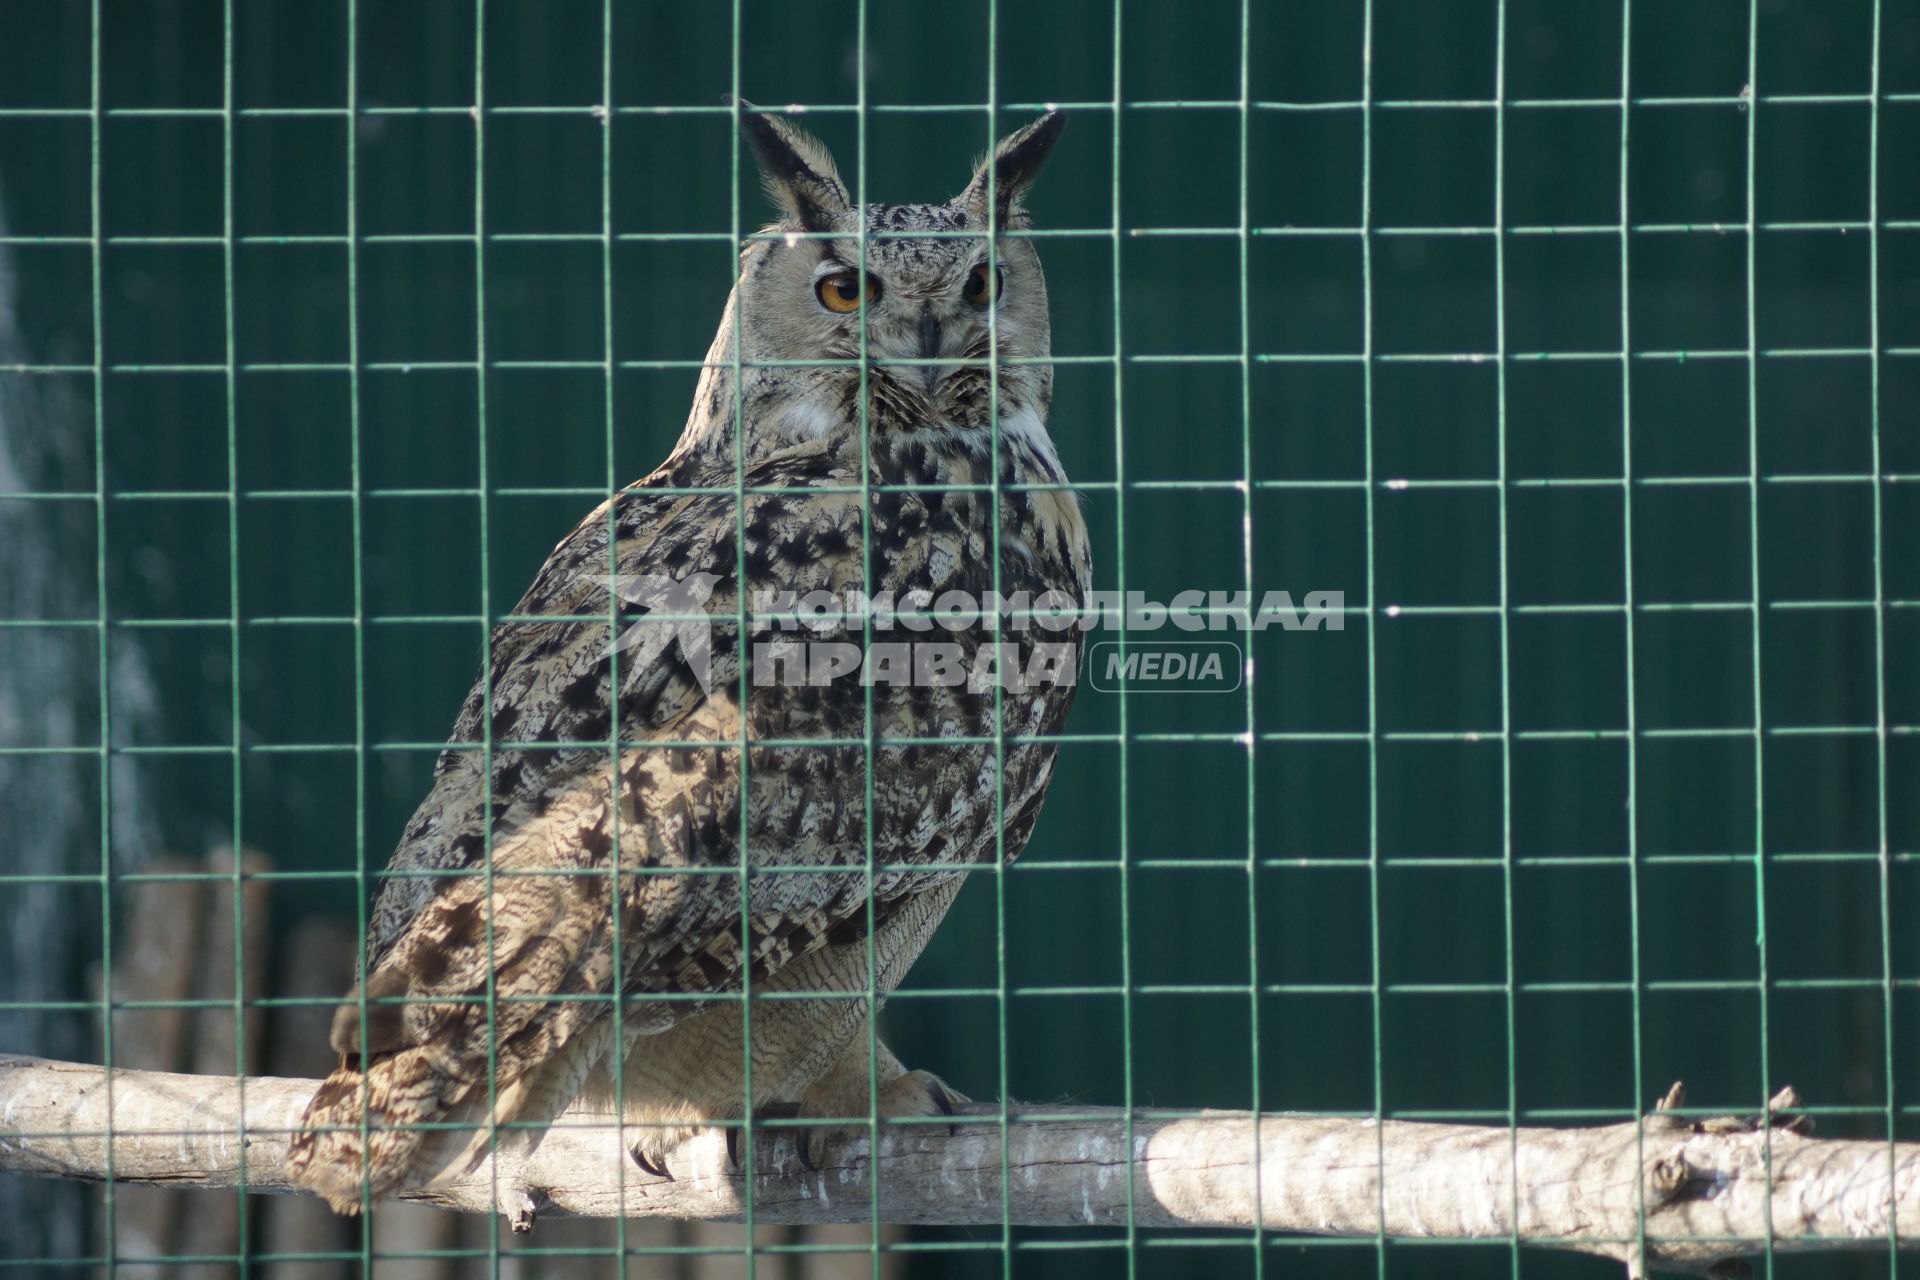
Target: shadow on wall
<point x="50" y="681"/>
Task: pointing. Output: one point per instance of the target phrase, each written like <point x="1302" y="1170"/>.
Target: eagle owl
<point x="661" y="828"/>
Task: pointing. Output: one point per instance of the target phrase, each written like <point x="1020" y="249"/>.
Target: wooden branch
<point x="1705" y="1183"/>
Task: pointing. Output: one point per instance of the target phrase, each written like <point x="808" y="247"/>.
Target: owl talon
<point x="657" y="1166"/>
<point x="766" y="1111"/>
<point x="942" y="1100"/>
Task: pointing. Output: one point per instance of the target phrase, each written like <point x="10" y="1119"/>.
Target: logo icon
<point x="677" y="613"/>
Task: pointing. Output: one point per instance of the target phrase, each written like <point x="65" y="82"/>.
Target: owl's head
<point x="936" y="296"/>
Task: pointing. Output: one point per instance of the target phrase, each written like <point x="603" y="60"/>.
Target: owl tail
<point x="451" y="1051"/>
<point x="367" y="1134"/>
<point x="418" y="1116"/>
<point x="425" y="1128"/>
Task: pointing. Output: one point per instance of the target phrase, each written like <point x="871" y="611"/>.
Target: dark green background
<point x="1409" y="894"/>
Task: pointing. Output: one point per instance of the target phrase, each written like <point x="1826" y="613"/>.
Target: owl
<point x="623" y="839"/>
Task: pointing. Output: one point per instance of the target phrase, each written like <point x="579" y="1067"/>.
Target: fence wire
<point x="1575" y="344"/>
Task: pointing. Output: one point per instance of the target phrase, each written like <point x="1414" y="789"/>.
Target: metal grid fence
<point x="1599" y="403"/>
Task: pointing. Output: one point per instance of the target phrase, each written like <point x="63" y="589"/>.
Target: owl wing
<point x="484" y="968"/>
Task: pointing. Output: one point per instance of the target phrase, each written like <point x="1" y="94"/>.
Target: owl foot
<point x="921" y="1093"/>
<point x="906" y="1095"/>
<point x="770" y="1111"/>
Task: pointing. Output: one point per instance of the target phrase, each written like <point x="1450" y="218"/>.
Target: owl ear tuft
<point x="1012" y="168"/>
<point x="796" y="169"/>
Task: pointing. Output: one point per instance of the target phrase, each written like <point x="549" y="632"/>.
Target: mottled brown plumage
<point x="551" y="866"/>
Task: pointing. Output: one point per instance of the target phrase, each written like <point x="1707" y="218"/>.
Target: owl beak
<point x="929" y="347"/>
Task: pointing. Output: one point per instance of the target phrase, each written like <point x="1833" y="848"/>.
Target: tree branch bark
<point x="1706" y="1191"/>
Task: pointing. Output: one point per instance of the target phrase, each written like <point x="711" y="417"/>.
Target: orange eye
<point x="840" y="292"/>
<point x="983" y="286"/>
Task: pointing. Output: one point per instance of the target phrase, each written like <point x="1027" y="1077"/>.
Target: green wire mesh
<point x="1575" y="343"/>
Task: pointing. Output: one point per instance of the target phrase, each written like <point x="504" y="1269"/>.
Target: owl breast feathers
<point x="643" y="807"/>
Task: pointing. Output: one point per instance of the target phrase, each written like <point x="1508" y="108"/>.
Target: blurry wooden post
<point x="157" y="960"/>
<point x="316" y="964"/>
<point x="179" y="961"/>
<point x="220" y="1040"/>
<point x="855" y="1264"/>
